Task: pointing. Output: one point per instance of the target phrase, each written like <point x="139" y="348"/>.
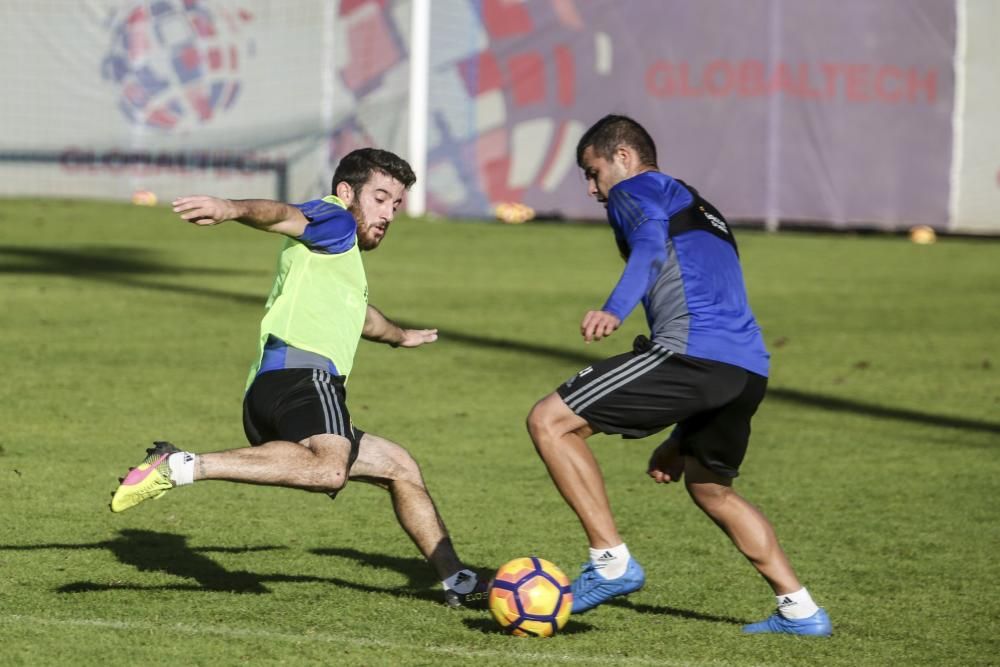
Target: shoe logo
<point x="137" y="475"/>
<point x="462" y="578"/>
<point x="602" y="560"/>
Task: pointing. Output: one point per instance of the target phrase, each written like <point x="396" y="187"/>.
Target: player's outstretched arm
<point x="263" y="214"/>
<point x="381" y="329"/>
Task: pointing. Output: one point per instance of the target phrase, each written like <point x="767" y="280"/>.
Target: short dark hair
<point x="358" y="166"/>
<point x="613" y="131"/>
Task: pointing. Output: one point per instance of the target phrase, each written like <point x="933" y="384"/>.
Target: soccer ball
<point x="530" y="597"/>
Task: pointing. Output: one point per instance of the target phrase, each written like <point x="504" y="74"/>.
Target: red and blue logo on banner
<point x="176" y="62"/>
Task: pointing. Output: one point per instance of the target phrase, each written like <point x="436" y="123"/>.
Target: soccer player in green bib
<point x="295" y="412"/>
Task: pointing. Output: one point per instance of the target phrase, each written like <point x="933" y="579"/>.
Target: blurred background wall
<point x="847" y="114"/>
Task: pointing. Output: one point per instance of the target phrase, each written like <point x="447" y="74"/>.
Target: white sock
<point x="796" y="605"/>
<point x="181" y="468"/>
<point x="611" y="562"/>
<point x="461" y="582"/>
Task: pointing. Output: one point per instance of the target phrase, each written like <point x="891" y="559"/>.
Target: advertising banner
<point x="798" y="111"/>
<point x="108" y="96"/>
<point x="805" y="110"/>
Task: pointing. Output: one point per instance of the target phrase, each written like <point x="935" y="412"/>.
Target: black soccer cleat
<point x="477" y="598"/>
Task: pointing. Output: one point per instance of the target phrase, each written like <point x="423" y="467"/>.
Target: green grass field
<point x="876" y="454"/>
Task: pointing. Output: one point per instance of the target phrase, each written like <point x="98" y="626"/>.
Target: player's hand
<point x="204" y="210"/>
<point x="598" y="324"/>
<point x="417" y="337"/>
<point x="666" y="464"/>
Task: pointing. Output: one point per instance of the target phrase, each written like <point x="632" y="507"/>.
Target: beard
<point x="366" y="241"/>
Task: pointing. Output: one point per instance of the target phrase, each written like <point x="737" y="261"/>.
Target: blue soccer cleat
<point x="817" y="625"/>
<point x="591" y="589"/>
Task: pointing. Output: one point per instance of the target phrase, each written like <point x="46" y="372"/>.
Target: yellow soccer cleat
<point x="149" y="480"/>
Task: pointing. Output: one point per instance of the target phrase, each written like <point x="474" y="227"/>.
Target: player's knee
<point x="328" y="471"/>
<point x="325" y="475"/>
<point x="540" y="422"/>
<point x="333" y="479"/>
<point x="405" y="469"/>
<point x="709" y="497"/>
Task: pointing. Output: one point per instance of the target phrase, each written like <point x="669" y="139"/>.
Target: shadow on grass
<point x="675" y="612"/>
<point x="150" y="551"/>
<point x="489" y="627"/>
<point x="85" y="261"/>
<point x="418" y="573"/>
<point x="123" y="266"/>
<point x="168" y="553"/>
<point x="794" y="396"/>
<point x="415" y="570"/>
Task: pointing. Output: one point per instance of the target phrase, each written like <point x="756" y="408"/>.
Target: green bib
<point x="318" y="303"/>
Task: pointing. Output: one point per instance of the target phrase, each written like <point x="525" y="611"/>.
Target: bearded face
<point x="374" y="206"/>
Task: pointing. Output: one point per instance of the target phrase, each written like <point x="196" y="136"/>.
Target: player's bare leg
<point x="389" y="466"/>
<point x="317" y="463"/>
<point x="754" y="536"/>
<point x="745" y="525"/>
<point x="560" y="436"/>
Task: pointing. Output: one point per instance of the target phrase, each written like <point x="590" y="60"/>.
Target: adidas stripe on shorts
<point x="296" y="403"/>
<point x="644" y="391"/>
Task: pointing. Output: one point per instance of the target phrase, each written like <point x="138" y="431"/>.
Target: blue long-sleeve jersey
<point x="682" y="264"/>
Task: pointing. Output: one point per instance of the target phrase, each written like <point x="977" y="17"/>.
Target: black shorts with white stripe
<point x="297" y="403"/>
<point x="644" y="391"/>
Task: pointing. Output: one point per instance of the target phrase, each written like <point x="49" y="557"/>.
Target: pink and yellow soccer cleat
<point x="149" y="480"/>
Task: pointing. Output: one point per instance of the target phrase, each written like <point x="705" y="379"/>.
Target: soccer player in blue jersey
<point x="704" y="368"/>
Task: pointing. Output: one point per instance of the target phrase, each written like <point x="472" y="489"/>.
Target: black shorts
<point x="297" y="403"/>
<point x="644" y="391"/>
